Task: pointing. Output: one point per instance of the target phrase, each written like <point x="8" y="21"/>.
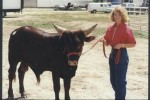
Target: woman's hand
<point x="102" y="39"/>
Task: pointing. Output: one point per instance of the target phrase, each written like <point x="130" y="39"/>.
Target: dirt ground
<point x="92" y="76"/>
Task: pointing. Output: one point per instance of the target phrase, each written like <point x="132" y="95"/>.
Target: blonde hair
<point x="122" y="11"/>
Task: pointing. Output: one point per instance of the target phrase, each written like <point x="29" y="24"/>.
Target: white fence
<point x="137" y="10"/>
<point x="138" y="19"/>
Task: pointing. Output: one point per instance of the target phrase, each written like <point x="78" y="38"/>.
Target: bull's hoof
<point x="23" y="96"/>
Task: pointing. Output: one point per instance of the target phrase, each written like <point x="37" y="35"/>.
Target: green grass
<point x="44" y="18"/>
<point x="35" y="23"/>
<point x="141" y="34"/>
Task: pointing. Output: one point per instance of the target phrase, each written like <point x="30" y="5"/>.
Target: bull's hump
<point x="39" y="32"/>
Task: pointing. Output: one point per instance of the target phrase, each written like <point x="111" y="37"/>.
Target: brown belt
<point x="117" y="55"/>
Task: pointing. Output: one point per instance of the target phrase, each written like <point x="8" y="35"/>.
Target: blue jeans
<point x="118" y="73"/>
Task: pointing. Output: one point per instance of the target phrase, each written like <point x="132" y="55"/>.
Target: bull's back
<point x="33" y="45"/>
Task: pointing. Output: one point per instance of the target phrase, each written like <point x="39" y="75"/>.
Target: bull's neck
<point x="57" y="43"/>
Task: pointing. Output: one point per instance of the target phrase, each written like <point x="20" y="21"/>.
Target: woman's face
<point x="117" y="17"/>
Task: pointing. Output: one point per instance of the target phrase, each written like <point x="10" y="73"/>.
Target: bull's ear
<point x="59" y="29"/>
<point x="89" y="38"/>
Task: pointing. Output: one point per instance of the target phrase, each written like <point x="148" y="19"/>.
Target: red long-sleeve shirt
<point x="123" y="34"/>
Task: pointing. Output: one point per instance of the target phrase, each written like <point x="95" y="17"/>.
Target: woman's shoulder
<point x="126" y="26"/>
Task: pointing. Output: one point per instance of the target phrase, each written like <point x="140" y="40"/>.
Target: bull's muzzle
<point x="72" y="62"/>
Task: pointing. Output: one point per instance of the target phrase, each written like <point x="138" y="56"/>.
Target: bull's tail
<point x="38" y="79"/>
<point x="14" y="78"/>
<point x="37" y="74"/>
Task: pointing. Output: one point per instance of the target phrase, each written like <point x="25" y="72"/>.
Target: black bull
<point x="42" y="51"/>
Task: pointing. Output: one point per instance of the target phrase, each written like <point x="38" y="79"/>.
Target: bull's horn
<point x="89" y="30"/>
<point x="59" y="29"/>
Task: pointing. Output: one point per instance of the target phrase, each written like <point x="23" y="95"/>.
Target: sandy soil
<point x="92" y="76"/>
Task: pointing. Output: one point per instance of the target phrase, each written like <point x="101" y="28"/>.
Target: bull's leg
<point x="11" y="76"/>
<point x="67" y="82"/>
<point x="21" y="72"/>
<point x="56" y="85"/>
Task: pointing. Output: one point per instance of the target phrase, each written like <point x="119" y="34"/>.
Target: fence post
<point x="140" y="21"/>
<point x="137" y="13"/>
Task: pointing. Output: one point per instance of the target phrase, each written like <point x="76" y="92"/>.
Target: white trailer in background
<point x="12" y="6"/>
<point x="101" y="7"/>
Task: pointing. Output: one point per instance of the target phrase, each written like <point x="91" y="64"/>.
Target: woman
<point x="119" y="36"/>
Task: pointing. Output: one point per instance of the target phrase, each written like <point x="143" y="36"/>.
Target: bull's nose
<point x="72" y="63"/>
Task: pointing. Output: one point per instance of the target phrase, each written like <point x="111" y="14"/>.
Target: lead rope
<point x="104" y="50"/>
<point x="90" y="48"/>
<point x="94" y="46"/>
<point x="117" y="55"/>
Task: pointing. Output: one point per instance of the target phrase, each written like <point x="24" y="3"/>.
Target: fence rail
<point x="138" y="19"/>
<point x="137" y="10"/>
